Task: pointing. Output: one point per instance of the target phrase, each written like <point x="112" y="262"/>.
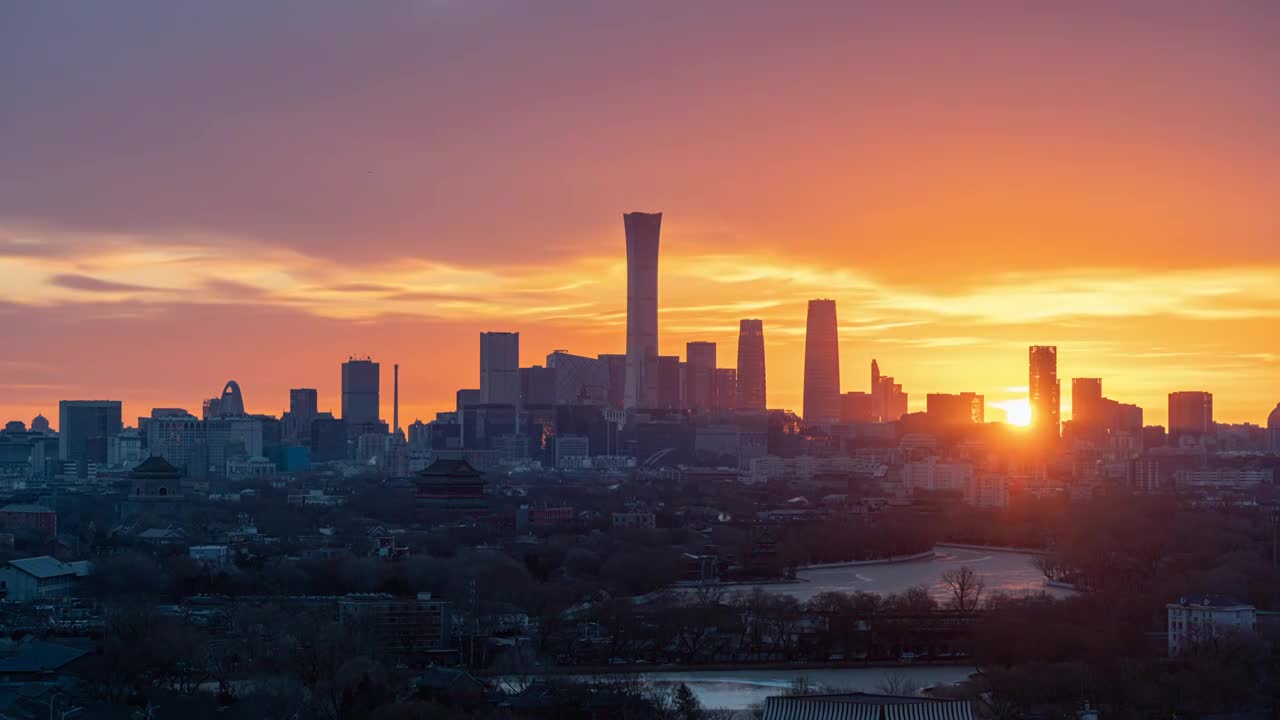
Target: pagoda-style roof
<point x="450" y="469"/>
<point x="155" y="467"/>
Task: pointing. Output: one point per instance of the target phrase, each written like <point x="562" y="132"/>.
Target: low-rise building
<point x="1203" y="620"/>
<point x="211" y="556"/>
<point x="405" y="627"/>
<point x="635" y="519"/>
<point x="38" y="518"/>
<point x="39" y="578"/>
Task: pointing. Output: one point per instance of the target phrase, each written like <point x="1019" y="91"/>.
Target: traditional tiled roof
<point x="155" y="466"/>
<point x="864" y="706"/>
<point x="450" y="467"/>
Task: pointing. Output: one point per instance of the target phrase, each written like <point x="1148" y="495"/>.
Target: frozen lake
<point x="1009" y="572"/>
<point x="739" y="689"/>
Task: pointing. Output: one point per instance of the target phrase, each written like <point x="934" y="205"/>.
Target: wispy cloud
<point x="88" y="283"/>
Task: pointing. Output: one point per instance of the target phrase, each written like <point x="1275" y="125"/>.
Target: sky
<point x="198" y="192"/>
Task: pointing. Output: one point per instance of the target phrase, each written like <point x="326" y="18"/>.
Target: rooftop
<point x="155" y="466"/>
<point x="450" y="468"/>
<point x="864" y="706"/>
<point x="25" y="508"/>
<point x="36" y="656"/>
<point x="43" y="567"/>
<point x="1210" y="600"/>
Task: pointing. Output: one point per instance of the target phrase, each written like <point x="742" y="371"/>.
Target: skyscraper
<point x="669" y="368"/>
<point x="642" y="231"/>
<point x="725" y="393"/>
<point x="751" y="384"/>
<point x="84" y="426"/>
<point x="1086" y="402"/>
<point x="500" y="368"/>
<point x="700" y="371"/>
<point x="1044" y="390"/>
<point x="822" y="364"/>
<point x="956" y="410"/>
<point x="1190" y="413"/>
<point x="360" y="391"/>
<point x="1273" y="430"/>
<point x="616" y="367"/>
<point x="231" y="402"/>
<point x="303" y="402"/>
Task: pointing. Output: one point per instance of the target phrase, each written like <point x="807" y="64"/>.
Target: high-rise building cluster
<point x="620" y="410"/>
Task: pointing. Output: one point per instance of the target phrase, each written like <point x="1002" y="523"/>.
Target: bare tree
<point x="896" y="684"/>
<point x="966" y="588"/>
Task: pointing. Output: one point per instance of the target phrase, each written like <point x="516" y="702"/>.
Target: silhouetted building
<point x="1190" y="413"/>
<point x="855" y="407"/>
<point x="821" y="364"/>
<point x="700" y="370"/>
<point x="303" y="402"/>
<point x="725" y="394"/>
<point x="751" y="373"/>
<point x="295" y="425"/>
<point x="81" y="422"/>
<point x="537" y="386"/>
<point x="328" y="439"/>
<point x="958" y="410"/>
<point x="642" y="231"/>
<point x="500" y="368"/>
<point x="1044" y="390"/>
<point x="40" y="424"/>
<point x="231" y="402"/>
<point x="616" y="371"/>
<point x="1120" y="417"/>
<point x="580" y="380"/>
<point x="888" y="401"/>
<point x="360" y="391"/>
<point x="1273" y="430"/>
<point x="1087" y="410"/>
<point x="669" y="395"/>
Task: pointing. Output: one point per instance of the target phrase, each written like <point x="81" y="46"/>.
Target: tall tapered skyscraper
<point x="1044" y="390"/>
<point x="751" y="387"/>
<point x="822" y="364"/>
<point x="642" y="308"/>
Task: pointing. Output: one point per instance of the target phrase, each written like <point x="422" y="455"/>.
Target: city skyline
<point x="1016" y="218"/>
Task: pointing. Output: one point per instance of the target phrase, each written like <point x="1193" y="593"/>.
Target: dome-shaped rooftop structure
<point x="1273" y="421"/>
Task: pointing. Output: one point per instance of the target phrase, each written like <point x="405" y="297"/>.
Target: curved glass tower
<point x="642" y="309"/>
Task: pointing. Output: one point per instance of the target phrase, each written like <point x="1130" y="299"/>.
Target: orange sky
<point x="193" y="195"/>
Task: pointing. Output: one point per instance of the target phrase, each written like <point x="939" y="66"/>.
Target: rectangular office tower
<point x="303" y="402"/>
<point x="85" y="426"/>
<point x="500" y="368"/>
<point x="1190" y="413"/>
<point x="360" y="391"/>
<point x="1086" y="403"/>
<point x="751" y="387"/>
<point x="822" y="364"/>
<point x="1044" y="390"/>
<point x="642" y="309"/>
<point x="700" y="372"/>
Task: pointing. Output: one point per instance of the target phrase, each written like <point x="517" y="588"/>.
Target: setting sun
<point x="1017" y="412"/>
